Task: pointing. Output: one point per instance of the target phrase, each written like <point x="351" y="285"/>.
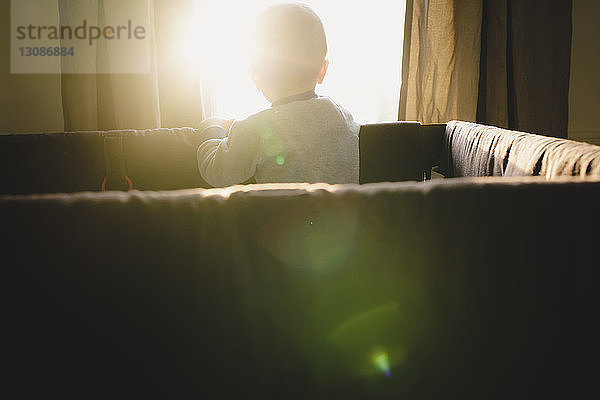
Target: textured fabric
<point x="51" y="163"/>
<point x="480" y="150"/>
<point x="162" y="159"/>
<point x="304" y="291"/>
<point x="154" y="159"/>
<point x="525" y="65"/>
<point x="440" y="64"/>
<point x="313" y="140"/>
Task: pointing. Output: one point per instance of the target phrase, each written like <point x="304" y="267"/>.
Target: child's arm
<point x="214" y="128"/>
<point x="230" y="160"/>
<point x="209" y="126"/>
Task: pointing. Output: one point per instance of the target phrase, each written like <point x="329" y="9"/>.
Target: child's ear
<point x="323" y="71"/>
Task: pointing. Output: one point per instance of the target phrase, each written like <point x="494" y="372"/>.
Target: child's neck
<point x="284" y="94"/>
<point x="309" y="94"/>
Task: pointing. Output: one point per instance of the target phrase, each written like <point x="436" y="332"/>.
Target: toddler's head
<point x="288" y="51"/>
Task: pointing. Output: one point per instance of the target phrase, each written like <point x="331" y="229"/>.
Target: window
<point x="365" y="49"/>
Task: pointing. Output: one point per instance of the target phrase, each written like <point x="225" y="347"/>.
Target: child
<point x="302" y="137"/>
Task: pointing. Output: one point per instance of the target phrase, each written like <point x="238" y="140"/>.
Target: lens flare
<point x="381" y="361"/>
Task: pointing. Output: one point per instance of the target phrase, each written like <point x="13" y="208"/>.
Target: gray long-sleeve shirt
<point x="313" y="140"/>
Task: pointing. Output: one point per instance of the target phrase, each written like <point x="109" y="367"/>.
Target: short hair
<point x="289" y="43"/>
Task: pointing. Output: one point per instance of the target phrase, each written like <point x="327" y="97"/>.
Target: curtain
<point x="525" y="65"/>
<point x="440" y="66"/>
<point x="497" y="62"/>
<point x="167" y="95"/>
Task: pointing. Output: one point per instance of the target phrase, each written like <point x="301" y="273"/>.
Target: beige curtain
<point x="440" y="71"/>
<point x="167" y="95"/>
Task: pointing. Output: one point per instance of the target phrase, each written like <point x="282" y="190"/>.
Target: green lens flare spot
<point x="381" y="360"/>
<point x="280" y="160"/>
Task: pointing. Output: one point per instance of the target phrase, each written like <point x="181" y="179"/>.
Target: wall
<point x="584" y="96"/>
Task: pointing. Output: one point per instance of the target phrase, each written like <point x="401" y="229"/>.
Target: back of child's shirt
<point x="310" y="140"/>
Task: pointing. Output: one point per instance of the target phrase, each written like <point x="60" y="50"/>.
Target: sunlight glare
<point x="365" y="50"/>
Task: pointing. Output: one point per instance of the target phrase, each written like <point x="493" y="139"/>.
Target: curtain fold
<point x="441" y="60"/>
<point x="497" y="62"/>
<point x="167" y="95"/>
<point x="525" y="65"/>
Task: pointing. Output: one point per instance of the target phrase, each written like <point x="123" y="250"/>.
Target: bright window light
<point x="365" y="50"/>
